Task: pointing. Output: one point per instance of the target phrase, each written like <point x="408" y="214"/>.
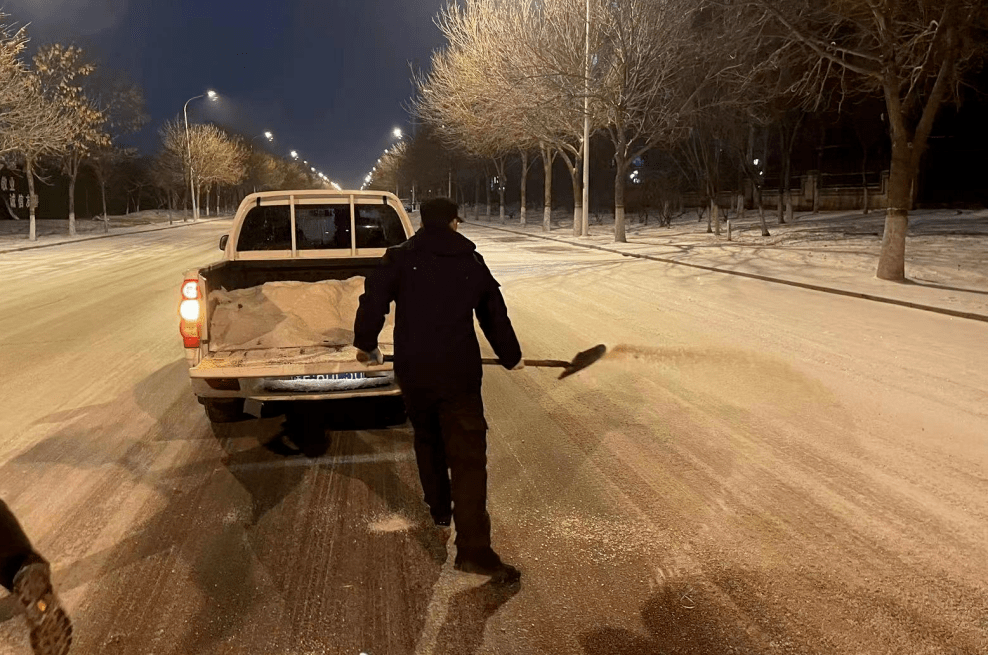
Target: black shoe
<point x="486" y="562"/>
<point x="51" y="630"/>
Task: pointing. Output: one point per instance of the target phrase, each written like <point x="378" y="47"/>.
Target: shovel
<point x="580" y="362"/>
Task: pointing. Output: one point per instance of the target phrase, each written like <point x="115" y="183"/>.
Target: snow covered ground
<point x="14" y="234"/>
<point x="754" y="468"/>
<point x="946" y="252"/>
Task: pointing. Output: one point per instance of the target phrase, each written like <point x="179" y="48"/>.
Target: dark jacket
<point x="437" y="280"/>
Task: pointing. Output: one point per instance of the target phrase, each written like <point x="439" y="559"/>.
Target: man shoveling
<point x="438" y="282"/>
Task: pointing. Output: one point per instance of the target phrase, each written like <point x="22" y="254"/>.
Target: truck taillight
<point x="190" y="311"/>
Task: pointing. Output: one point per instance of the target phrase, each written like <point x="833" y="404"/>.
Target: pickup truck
<point x="286" y="246"/>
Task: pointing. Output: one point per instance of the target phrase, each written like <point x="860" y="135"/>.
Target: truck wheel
<point x="224" y="410"/>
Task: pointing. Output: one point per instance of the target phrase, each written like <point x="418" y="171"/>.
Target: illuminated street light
<point x="294" y="154"/>
<point x="397" y="132"/>
<point x="192" y="184"/>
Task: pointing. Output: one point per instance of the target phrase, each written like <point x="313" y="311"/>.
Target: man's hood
<point x="444" y="242"/>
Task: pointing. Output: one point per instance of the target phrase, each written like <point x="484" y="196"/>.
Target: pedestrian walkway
<point x="835" y="265"/>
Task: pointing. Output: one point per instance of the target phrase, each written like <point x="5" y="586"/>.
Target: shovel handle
<point x="538" y="363"/>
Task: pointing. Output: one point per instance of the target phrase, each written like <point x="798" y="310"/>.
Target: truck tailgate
<point x="283" y="362"/>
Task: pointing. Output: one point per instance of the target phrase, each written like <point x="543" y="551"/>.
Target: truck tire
<point x="224" y="410"/>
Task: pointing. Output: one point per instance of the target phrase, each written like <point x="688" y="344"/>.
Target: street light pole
<point x="267" y="135"/>
<point x="585" y="219"/>
<point x="188" y="140"/>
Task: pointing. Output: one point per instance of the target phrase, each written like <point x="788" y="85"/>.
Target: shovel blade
<point x="584" y="359"/>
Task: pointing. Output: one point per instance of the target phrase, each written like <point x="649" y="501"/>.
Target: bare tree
<point x="648" y="80"/>
<point x="105" y="162"/>
<point x="62" y="70"/>
<point x="31" y="124"/>
<point x="914" y="54"/>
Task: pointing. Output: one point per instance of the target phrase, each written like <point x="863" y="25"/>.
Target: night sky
<point x="328" y="77"/>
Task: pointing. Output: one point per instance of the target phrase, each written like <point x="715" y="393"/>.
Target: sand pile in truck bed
<point x="289" y="314"/>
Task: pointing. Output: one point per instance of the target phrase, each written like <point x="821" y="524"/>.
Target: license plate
<point x="330" y="376"/>
<point x="326" y="382"/>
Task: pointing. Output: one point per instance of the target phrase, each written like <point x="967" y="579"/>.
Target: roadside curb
<point x="754" y="276"/>
<point x="35" y="246"/>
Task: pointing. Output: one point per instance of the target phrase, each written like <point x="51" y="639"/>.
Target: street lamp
<point x="188" y="139"/>
<point x="397" y="132"/>
<point x="294" y="154"/>
<point x="267" y="135"/>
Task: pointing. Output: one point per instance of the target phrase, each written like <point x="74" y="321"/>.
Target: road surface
<point x="753" y="469"/>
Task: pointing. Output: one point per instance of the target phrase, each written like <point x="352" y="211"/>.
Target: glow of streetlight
<point x="313" y="169"/>
<point x="268" y="136"/>
<point x="397" y="132"/>
<point x="294" y="154"/>
<point x="212" y="95"/>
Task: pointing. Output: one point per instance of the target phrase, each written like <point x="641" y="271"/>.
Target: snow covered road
<point x="753" y="469"/>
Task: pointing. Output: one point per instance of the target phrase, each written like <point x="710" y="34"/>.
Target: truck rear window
<point x="266" y="228"/>
<point x="321" y="227"/>
<point x="378" y="226"/>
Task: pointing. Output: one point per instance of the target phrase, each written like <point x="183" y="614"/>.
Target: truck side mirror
<point x="223" y="240"/>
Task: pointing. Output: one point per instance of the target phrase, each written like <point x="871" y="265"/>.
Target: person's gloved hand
<point x="520" y="365"/>
<point x="372" y="358"/>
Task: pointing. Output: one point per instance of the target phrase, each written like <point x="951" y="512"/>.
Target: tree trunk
<point x="547" y="190"/>
<point x="500" y="199"/>
<point x="715" y="210"/>
<point x="782" y="174"/>
<point x="574" y="172"/>
<point x="620" y="167"/>
<point x="524" y="187"/>
<point x="892" y="261"/>
<point x="29" y="169"/>
<point x="476" y="199"/>
<point x="710" y="217"/>
<point x="73" y="173"/>
<point x="106" y="216"/>
<point x="864" y="179"/>
<point x="499" y="166"/>
<point x="784" y="186"/>
<point x="488" y="187"/>
<point x="761" y="212"/>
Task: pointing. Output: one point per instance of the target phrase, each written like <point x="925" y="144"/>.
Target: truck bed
<point x="284" y="362"/>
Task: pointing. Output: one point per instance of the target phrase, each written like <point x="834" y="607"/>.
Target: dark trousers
<point x="451" y="452"/>
<point x="15" y="548"/>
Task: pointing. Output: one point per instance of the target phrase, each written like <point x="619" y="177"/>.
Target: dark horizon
<point x="330" y="80"/>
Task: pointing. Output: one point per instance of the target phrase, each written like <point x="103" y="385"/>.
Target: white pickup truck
<point x="268" y="329"/>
